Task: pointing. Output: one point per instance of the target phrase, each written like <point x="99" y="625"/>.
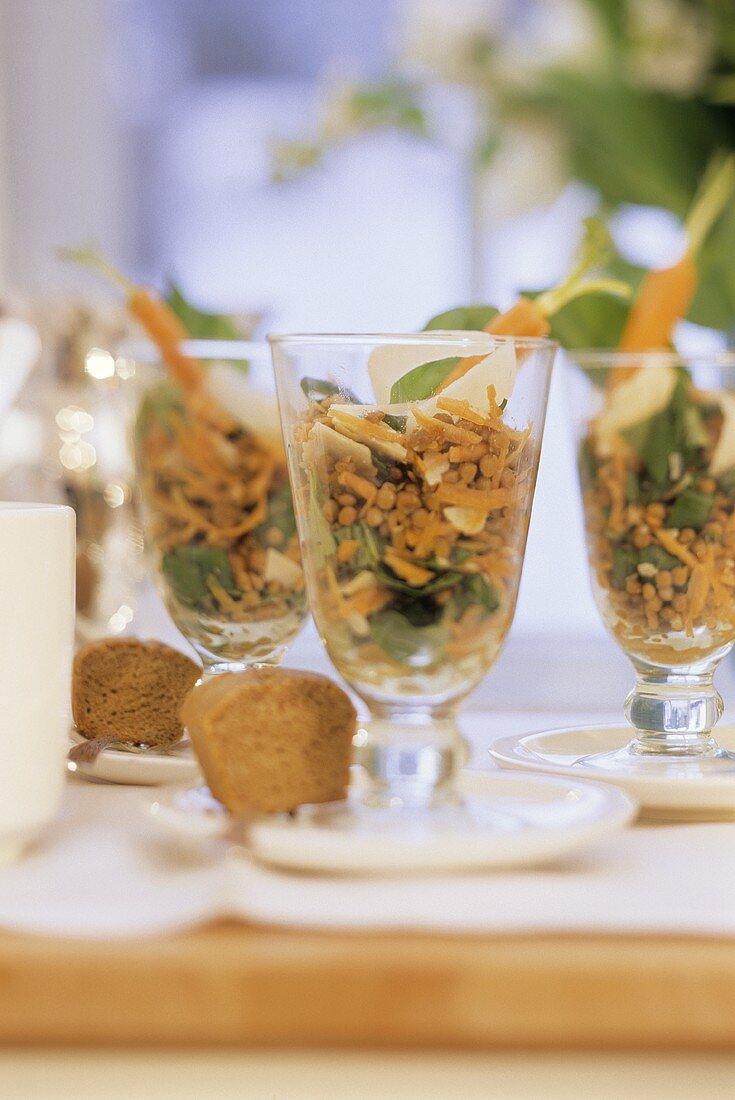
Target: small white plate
<point x="667" y="789"/>
<point x="505" y="821"/>
<point x="144" y="769"/>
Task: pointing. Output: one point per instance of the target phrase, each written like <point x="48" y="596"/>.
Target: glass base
<point x="698" y="762"/>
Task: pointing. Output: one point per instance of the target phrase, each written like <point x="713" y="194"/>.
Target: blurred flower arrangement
<point x="630" y="97"/>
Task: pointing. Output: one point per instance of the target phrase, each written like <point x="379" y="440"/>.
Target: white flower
<point x="671" y="45"/>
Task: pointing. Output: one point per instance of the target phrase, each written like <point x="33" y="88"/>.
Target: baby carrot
<point x="154" y="315"/>
<point x="530" y="317"/>
<point x="665" y="295"/>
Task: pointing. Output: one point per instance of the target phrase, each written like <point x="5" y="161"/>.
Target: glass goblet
<point x="656" y="449"/>
<point x="216" y="506"/>
<point x="413" y="462"/>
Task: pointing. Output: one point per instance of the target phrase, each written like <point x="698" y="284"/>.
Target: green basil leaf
<point x="422" y="381"/>
<point x="469" y="318"/>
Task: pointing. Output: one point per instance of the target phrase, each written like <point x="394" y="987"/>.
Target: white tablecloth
<point x="104" y="871"/>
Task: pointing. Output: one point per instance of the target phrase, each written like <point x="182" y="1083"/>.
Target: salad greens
<point x="188" y="568"/>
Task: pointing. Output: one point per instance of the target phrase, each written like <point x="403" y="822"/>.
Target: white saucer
<point x="670" y="789"/>
<point x="144" y="769"/>
<point x="516" y="820"/>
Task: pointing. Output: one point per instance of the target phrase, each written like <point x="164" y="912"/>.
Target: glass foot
<point x="630" y="760"/>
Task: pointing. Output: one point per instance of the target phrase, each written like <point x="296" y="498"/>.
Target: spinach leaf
<point x="422" y="381"/>
<point x="201" y="325"/>
<point x="691" y="509"/>
<point x="656" y="555"/>
<point x="400" y="638"/>
<point x="471" y="318"/>
<point x="187" y="569"/>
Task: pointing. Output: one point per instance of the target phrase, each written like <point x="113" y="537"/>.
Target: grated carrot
<point x="670" y="543"/>
<point x="359" y="485"/>
<point x="414" y="575"/>
<point x="476" y="499"/>
<point x="464" y="410"/>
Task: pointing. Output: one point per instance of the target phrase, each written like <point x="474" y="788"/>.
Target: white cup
<point x="37" y="565"/>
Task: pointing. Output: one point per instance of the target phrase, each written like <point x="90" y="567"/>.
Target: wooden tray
<point x="230" y="985"/>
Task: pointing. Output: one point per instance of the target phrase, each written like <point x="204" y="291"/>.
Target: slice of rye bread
<point x="131" y="690"/>
<point x="269" y="740"/>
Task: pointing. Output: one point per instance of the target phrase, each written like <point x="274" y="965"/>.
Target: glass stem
<point x="412" y="756"/>
<point x="674" y="712"/>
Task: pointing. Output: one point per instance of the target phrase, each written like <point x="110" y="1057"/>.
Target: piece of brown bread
<point x="131" y="690"/>
<point x="269" y="740"/>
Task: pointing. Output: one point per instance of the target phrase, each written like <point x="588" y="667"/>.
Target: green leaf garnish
<point x="468" y="318"/>
<point x="422" y="381"/>
<point x="200" y="324"/>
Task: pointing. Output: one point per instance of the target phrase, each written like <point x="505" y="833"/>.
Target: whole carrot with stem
<point x="531" y="316"/>
<point x="665" y="295"/>
<point x="153" y="314"/>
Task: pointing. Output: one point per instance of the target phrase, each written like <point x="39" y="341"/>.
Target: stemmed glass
<point x="413" y="463"/>
<point x="216" y="506"/>
<point x="656" y="439"/>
